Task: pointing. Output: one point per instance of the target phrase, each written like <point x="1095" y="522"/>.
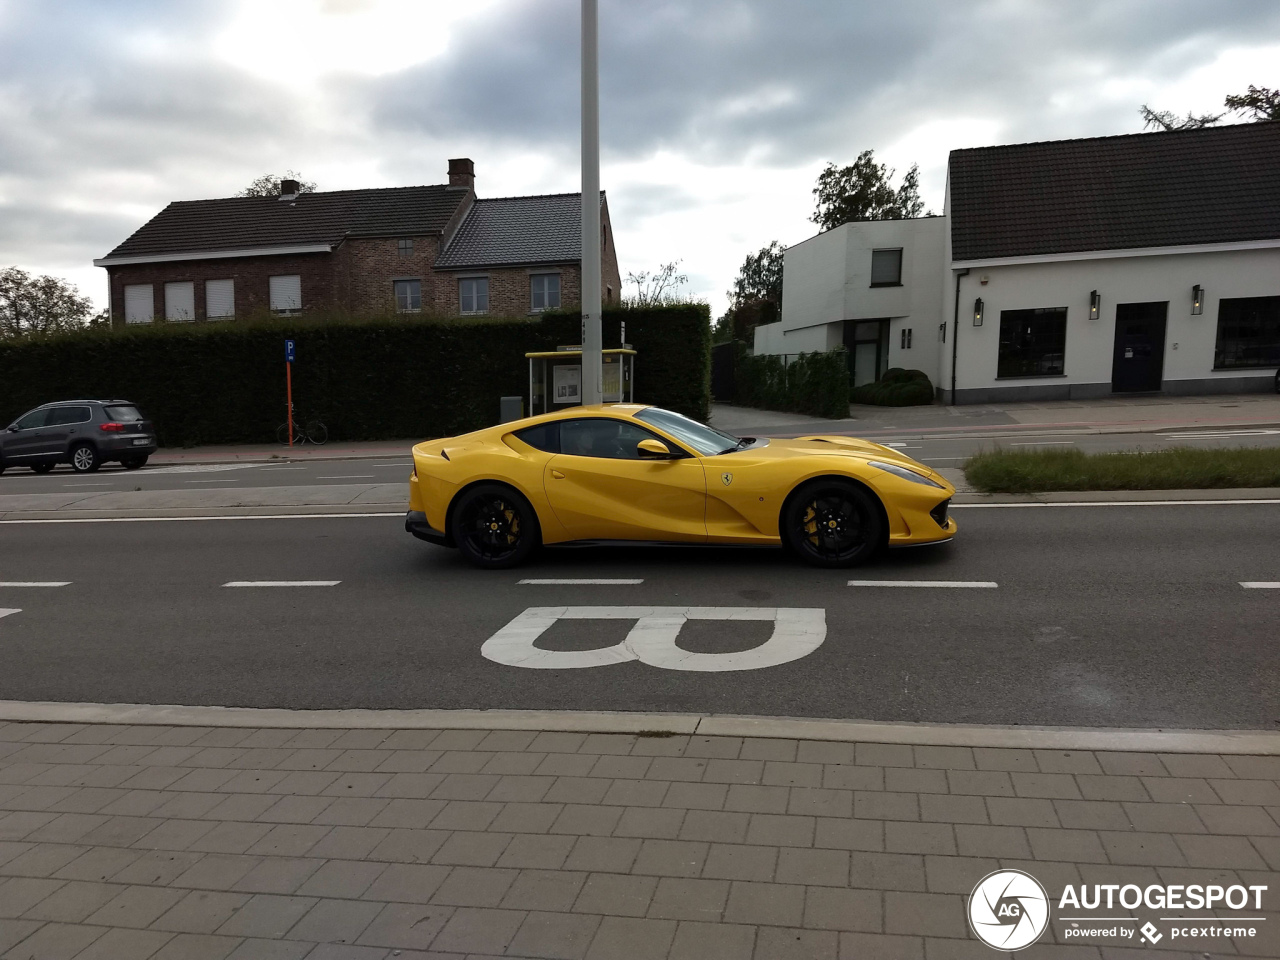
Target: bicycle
<point x="314" y="432"/>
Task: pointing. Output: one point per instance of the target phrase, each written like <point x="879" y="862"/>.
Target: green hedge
<point x="374" y="379"/>
<point x="896" y="388"/>
<point x="816" y="384"/>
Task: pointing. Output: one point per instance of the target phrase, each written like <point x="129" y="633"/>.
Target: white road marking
<point x="104" y="483"/>
<point x="282" y="583"/>
<point x="974" y="584"/>
<point x="1043" y="443"/>
<point x="797" y="632"/>
<point x="1218" y="435"/>
<point x="35" y="583"/>
<point x="5" y="611"/>
<point x="1260" y="585"/>
<point x="202" y="468"/>
<point x="269" y="469"/>
<point x="349" y="476"/>
<point x="551" y="582"/>
<point x="224" y="480"/>
<point x="903" y="446"/>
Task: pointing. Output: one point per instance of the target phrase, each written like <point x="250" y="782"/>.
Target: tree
<point x="1168" y="120"/>
<point x="862" y="191"/>
<point x="268" y="185"/>
<point x="756" y="294"/>
<point x="42" y="305"/>
<point x="1262" y="103"/>
<point x="661" y="286"/>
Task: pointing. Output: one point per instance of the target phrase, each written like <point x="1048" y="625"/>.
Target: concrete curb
<point x="1237" y="742"/>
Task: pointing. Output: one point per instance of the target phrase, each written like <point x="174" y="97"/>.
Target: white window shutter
<point x="286" y="294"/>
<point x="219" y="299"/>
<point x="180" y="301"/>
<point x="139" y="303"/>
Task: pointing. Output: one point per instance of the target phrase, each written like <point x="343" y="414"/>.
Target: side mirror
<point x="654" y="450"/>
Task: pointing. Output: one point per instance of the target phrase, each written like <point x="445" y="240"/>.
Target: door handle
<point x="557" y="474"/>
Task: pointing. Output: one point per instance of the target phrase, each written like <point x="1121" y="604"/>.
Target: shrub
<point x="816" y="384"/>
<point x="380" y="378"/>
<point x="896" y="388"/>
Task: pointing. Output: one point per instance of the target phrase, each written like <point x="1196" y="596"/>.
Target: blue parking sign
<point x="288" y="351"/>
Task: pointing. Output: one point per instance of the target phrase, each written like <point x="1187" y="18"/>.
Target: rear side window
<point x="60" y="416"/>
<point x="545" y="436"/>
<point x="125" y="414"/>
<point x="36" y="418"/>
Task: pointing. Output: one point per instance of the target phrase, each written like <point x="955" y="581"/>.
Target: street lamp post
<point x="592" y="339"/>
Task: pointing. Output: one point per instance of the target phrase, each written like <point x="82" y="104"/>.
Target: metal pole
<point x="592" y="339"/>
<point x="288" y="390"/>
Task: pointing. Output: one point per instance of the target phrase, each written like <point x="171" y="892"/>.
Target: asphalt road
<point x="937" y="452"/>
<point x="1102" y="616"/>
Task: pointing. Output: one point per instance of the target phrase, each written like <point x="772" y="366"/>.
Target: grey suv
<point x="83" y="433"/>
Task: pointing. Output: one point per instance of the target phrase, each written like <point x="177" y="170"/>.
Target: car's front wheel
<point x="42" y="467"/>
<point x="84" y="459"/>
<point x="494" y="526"/>
<point x="832" y="523"/>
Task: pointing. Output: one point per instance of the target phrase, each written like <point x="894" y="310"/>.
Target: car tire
<point x="133" y="463"/>
<point x="84" y="458"/>
<point x="831" y="522"/>
<point x="42" y="467"/>
<point x="1278" y="381"/>
<point x="494" y="526"/>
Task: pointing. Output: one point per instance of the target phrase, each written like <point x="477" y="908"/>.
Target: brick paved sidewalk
<point x="193" y="843"/>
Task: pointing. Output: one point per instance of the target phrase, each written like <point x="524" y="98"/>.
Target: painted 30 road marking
<point x="797" y="632"/>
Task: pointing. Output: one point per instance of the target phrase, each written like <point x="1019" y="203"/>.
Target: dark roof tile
<point x="517" y="230"/>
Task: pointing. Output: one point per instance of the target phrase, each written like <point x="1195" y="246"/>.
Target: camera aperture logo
<point x="1008" y="910"/>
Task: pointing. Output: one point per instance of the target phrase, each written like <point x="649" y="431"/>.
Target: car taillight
<point x="111" y="427"/>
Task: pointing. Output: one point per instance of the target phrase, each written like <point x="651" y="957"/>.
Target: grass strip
<point x="1178" y="468"/>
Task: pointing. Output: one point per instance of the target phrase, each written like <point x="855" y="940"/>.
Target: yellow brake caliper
<point x="811" y="523"/>
<point x="513" y="525"/>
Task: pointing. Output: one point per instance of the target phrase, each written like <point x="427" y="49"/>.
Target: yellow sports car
<point x="627" y="472"/>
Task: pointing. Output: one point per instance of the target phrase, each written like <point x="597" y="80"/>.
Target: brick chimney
<point x="462" y="174"/>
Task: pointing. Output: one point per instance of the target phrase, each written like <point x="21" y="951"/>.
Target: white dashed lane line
<point x="566" y="582"/>
<point x="349" y="476"/>
<point x="282" y="583"/>
<point x="5" y="611"/>
<point x="1044" y="443"/>
<point x="1260" y="584"/>
<point x="973" y="584"/>
<point x="34" y="583"/>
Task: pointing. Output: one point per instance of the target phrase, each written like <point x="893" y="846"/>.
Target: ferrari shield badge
<point x="726" y="478"/>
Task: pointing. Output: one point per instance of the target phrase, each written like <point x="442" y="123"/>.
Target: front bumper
<point x="415" y="522"/>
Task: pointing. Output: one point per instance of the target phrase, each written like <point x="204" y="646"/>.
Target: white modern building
<point x="1059" y="270"/>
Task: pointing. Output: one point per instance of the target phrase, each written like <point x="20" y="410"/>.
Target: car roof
<point x="63" y="403"/>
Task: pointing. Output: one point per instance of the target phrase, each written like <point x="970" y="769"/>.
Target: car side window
<point x="544" y="436"/>
<point x="61" y="416"/>
<point x="36" y="418"/>
<point x="603" y="437"/>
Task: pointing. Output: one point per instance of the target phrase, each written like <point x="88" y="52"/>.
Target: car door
<point x="23" y="438"/>
<point x="64" y="425"/>
<point x="600" y="489"/>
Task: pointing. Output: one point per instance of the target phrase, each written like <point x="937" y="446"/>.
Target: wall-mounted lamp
<point x="1095" y="304"/>
<point x="1197" y="300"/>
<point x="977" y="312"/>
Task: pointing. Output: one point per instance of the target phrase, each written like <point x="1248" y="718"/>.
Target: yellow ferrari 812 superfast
<point x="632" y="473"/>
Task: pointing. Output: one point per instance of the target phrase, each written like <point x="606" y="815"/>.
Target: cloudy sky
<point x="716" y="115"/>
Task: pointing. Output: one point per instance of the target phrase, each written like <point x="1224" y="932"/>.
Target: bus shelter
<point x="555" y="378"/>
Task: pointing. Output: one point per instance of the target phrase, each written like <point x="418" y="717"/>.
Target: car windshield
<point x="124" y="413"/>
<point x="707" y="441"/>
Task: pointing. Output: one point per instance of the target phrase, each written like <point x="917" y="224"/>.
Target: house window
<point x="886" y="268"/>
<point x="473" y="295"/>
<point x="219" y="299"/>
<point x="544" y="291"/>
<point x="139" y="303"/>
<point x="408" y="296"/>
<point x="1032" y="342"/>
<point x="1248" y="333"/>
<point x="286" y="294"/>
<point x="404" y="247"/>
<point x="180" y="301"/>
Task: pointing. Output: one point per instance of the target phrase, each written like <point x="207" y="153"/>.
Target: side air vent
<point x="939" y="513"/>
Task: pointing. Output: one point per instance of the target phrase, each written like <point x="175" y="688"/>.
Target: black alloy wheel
<point x="84" y="459"/>
<point x="832" y="523"/>
<point x="42" y="467"/>
<point x="494" y="526"/>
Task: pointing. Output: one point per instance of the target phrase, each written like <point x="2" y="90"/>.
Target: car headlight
<point x="905" y="474"/>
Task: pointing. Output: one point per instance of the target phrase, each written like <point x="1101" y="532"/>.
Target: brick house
<point x="433" y="249"/>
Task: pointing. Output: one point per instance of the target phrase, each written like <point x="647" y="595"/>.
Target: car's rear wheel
<point x="133" y="463"/>
<point x="84" y="459"/>
<point x="494" y="526"/>
<point x="42" y="467"/>
<point x="832" y="523"/>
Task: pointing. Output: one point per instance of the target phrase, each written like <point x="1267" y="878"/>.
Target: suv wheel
<point x="84" y="459"/>
<point x="42" y="467"/>
<point x="133" y="463"/>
